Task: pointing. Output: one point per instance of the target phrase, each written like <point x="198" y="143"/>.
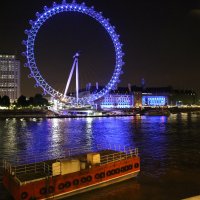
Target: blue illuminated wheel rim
<point x="30" y="43"/>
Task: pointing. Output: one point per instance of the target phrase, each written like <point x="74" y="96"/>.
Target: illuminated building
<point x="117" y="101"/>
<point x="129" y="97"/>
<point x="155" y="96"/>
<point x="9" y="76"/>
<point x="130" y="100"/>
<point x="152" y="100"/>
<point x="134" y="97"/>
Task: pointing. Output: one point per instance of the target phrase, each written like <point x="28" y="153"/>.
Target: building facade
<point x="154" y="100"/>
<point x="9" y="76"/>
<point x="137" y="99"/>
<point x="117" y="101"/>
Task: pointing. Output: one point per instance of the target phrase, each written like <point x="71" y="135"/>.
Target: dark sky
<point x="161" y="42"/>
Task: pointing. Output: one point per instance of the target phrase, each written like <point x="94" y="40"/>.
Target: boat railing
<point x="34" y="160"/>
<point x="15" y="170"/>
<point x="46" y="167"/>
<point x="118" y="156"/>
<point x="36" y="156"/>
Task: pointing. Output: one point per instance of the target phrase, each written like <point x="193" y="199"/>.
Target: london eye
<point x="36" y="24"/>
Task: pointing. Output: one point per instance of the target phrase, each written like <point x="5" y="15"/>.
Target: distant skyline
<point x="160" y="40"/>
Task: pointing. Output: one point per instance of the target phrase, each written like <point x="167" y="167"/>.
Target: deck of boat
<point x="42" y="170"/>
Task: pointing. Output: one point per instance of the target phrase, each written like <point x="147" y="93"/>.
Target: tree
<point x="21" y="101"/>
<point x="31" y="101"/>
<point x="40" y="101"/>
<point x="5" y="101"/>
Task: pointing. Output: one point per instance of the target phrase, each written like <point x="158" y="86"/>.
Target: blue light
<point x="54" y="4"/>
<point x="30" y="76"/>
<point x="45" y="8"/>
<point x="24" y="42"/>
<point x="85" y="10"/>
<point x="154" y="100"/>
<point x="37" y="14"/>
<point x="24" y="54"/>
<point x="26" y="32"/>
<point x="64" y="2"/>
<point x="31" y="22"/>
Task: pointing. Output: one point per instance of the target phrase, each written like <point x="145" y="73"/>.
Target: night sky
<point x="161" y="42"/>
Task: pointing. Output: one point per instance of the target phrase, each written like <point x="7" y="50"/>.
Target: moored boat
<point x="72" y="174"/>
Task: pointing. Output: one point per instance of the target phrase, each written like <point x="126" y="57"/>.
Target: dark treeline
<point x="23" y="101"/>
<point x="5" y="101"/>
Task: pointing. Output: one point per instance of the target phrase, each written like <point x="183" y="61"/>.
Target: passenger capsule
<point x="24" y="54"/>
<point x="24" y="42"/>
<point x="31" y="22"/>
<point x="37" y="14"/>
<point x="26" y="32"/>
<point x="45" y="8"/>
<point x="64" y="2"/>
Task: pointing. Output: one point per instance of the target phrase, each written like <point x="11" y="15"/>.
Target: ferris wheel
<point x="41" y="18"/>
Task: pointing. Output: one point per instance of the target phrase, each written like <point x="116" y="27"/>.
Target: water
<point x="169" y="148"/>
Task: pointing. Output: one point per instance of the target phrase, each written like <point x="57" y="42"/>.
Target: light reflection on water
<point x="169" y="148"/>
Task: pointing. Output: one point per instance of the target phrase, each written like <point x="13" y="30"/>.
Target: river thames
<point x="169" y="148"/>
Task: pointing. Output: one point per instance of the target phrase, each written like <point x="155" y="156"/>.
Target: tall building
<point x="9" y="76"/>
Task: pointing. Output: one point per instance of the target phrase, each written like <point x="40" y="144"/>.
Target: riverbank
<point x="184" y="109"/>
<point x="171" y="109"/>
<point x="26" y="113"/>
<point x="45" y="113"/>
